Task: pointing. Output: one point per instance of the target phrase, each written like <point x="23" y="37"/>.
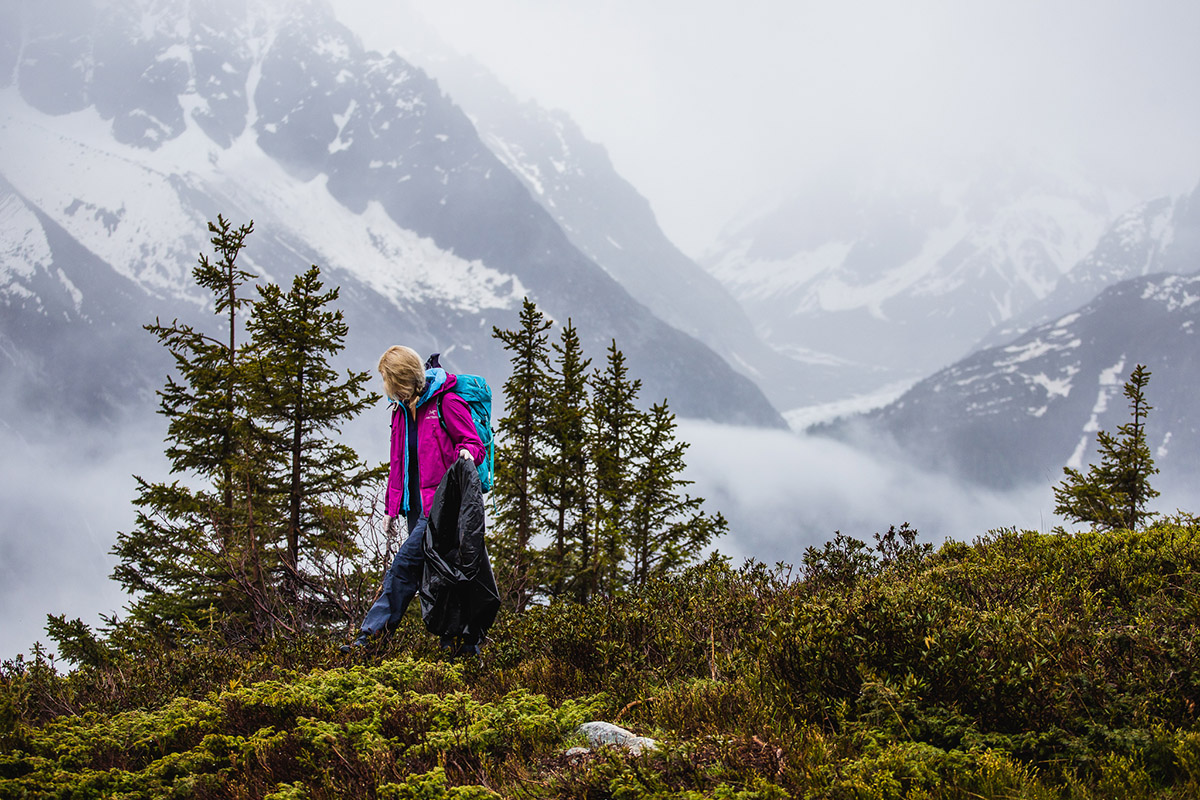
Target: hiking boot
<point x="362" y="640"/>
<point x="459" y="651"/>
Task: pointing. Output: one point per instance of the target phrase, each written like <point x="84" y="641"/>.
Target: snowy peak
<point x="1160" y="235"/>
<point x="1021" y="411"/>
<point x="127" y="126"/>
<point x="924" y="270"/>
<point x="336" y="125"/>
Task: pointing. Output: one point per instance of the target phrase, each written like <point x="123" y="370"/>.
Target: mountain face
<point x="891" y="283"/>
<point x="604" y="216"/>
<point x="60" y="301"/>
<point x="1019" y="412"/>
<point x="1162" y="235"/>
<point x="128" y="124"/>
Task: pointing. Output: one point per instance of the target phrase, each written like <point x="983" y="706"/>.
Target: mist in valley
<point x="66" y="499"/>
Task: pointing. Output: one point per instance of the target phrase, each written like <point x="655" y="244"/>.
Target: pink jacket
<point x="437" y="450"/>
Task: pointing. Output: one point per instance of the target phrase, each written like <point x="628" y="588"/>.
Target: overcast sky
<point x="706" y="104"/>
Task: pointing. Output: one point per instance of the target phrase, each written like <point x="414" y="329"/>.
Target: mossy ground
<point x="1022" y="665"/>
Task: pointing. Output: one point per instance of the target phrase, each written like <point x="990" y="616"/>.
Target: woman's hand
<point x="465" y="453"/>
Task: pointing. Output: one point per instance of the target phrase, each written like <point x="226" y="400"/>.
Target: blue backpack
<point x="478" y="396"/>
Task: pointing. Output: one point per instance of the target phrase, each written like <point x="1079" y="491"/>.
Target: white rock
<point x="601" y="734"/>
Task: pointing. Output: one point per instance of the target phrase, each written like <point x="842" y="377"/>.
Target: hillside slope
<point x="1022" y="665"/>
<point x="1018" y="413"/>
<point x="128" y="125"/>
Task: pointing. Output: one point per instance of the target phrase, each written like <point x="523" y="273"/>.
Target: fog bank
<point x="64" y="502"/>
<point x="783" y="492"/>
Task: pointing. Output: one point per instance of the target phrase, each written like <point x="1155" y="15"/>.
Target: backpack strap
<point x="441" y="417"/>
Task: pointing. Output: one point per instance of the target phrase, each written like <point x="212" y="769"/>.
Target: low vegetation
<point x="1019" y="665"/>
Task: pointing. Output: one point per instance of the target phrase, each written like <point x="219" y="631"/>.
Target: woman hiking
<point x="424" y="445"/>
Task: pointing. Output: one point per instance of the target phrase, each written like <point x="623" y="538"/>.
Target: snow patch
<point x="1076" y="459"/>
<point x="513" y="157"/>
<point x="333" y="47"/>
<point x="176" y="52"/>
<point x="800" y="419"/>
<point x="1172" y="292"/>
<point x="1036" y="348"/>
<point x="1060" y="387"/>
<point x="338" y="144"/>
<point x="23" y="244"/>
<point x="72" y="289"/>
<point x="1109" y="379"/>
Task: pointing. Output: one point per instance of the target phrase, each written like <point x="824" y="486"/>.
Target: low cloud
<point x="63" y="504"/>
<point x="783" y="492"/>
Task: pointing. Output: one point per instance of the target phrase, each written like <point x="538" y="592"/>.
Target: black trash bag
<point x="458" y="590"/>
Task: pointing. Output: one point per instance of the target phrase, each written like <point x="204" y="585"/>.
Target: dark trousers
<point x="400" y="585"/>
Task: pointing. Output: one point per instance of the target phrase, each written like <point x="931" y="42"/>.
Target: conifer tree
<point x="667" y="527"/>
<point x="301" y="401"/>
<point x="562" y="480"/>
<point x="1114" y="493"/>
<point x="519" y="456"/>
<point x="198" y="548"/>
<point x="259" y="486"/>
<point x="581" y="466"/>
<point x="615" y="425"/>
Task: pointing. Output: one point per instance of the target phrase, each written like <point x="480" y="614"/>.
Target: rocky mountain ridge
<point x="1017" y="413"/>
<point x="1159" y="235"/>
<point x="609" y="221"/>
<point x="128" y="125"/>
<point x="894" y="280"/>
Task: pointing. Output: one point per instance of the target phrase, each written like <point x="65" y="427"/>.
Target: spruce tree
<point x="301" y="400"/>
<point x="667" y="528"/>
<point x="196" y="547"/>
<point x="1114" y="493"/>
<point x="562" y="480"/>
<point x="259" y="507"/>
<point x="581" y="466"/>
<point x="615" y="425"/>
<point x="519" y="455"/>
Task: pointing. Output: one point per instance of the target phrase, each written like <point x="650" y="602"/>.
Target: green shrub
<point x="1018" y="665"/>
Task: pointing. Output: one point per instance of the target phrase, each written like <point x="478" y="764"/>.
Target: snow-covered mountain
<point x="610" y="222"/>
<point x="125" y="125"/>
<point x="892" y="281"/>
<point x="1030" y="398"/>
<point x="1161" y="235"/>
<point x="1019" y="412"/>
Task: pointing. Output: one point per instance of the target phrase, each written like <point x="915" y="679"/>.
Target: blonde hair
<point x="403" y="375"/>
